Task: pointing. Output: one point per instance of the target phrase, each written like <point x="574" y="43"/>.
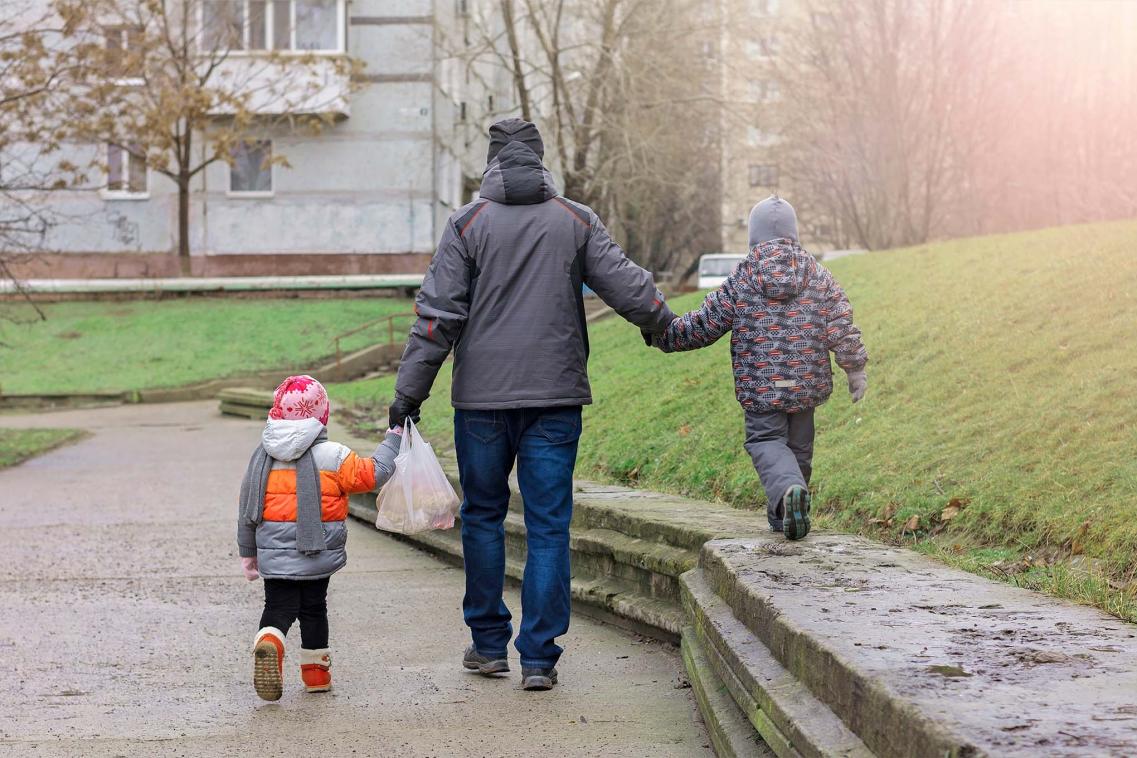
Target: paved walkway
<point x="127" y="625"/>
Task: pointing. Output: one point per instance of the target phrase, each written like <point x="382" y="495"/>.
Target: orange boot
<point x="316" y="669"/>
<point x="268" y="663"/>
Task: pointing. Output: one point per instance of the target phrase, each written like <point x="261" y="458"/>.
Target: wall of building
<point x="375" y="184"/>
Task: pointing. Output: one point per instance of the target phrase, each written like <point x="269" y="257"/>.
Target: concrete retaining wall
<point x="838" y="646"/>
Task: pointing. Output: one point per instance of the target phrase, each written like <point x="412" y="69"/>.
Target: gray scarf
<point x="309" y="522"/>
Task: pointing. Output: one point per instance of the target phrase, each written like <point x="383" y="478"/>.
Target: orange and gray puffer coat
<point x="786" y="313"/>
<point x="273" y="527"/>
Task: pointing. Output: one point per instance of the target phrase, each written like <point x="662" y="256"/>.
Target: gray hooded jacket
<point x="504" y="293"/>
<point x="342" y="473"/>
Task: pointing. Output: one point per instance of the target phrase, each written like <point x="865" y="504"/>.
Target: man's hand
<point x="402" y="409"/>
<point x="858" y="383"/>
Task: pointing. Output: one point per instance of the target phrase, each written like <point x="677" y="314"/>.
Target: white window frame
<point x="123" y="33"/>
<point x="757" y="170"/>
<point x="270" y="31"/>
<point x="123" y="194"/>
<point x="254" y="194"/>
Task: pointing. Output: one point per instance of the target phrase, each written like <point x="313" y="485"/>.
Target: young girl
<point x="291" y="529"/>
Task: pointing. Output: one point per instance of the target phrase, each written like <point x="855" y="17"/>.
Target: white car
<point x="716" y="267"/>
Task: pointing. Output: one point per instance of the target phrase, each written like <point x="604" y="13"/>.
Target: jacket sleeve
<point x="702" y="327"/>
<point x="246" y="532"/>
<point x="442" y="306"/>
<point x="842" y="336"/>
<point x="629" y="289"/>
<point x="383" y="459"/>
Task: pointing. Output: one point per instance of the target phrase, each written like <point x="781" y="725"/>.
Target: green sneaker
<point x="486" y="665"/>
<point x="795" y="525"/>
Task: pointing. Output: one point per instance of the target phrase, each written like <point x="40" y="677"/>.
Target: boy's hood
<point x="783" y="268"/>
<point x="287" y="440"/>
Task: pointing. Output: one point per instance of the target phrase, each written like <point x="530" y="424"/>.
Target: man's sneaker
<point x="486" y="665"/>
<point x="537" y="679"/>
<point x="316" y="669"/>
<point x="268" y="663"/>
<point x="796" y="504"/>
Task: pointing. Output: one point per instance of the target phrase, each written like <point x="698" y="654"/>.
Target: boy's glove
<point x="402" y="409"/>
<point x="858" y="383"/>
<point x="647" y="336"/>
<point x="249" y="566"/>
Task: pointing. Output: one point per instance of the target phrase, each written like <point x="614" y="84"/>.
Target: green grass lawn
<point x="1003" y="377"/>
<point x="18" y="445"/>
<point x="117" y="346"/>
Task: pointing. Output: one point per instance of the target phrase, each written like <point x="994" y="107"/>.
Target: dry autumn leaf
<point x="912" y="524"/>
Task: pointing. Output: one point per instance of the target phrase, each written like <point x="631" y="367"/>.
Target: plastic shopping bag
<point x="418" y="497"/>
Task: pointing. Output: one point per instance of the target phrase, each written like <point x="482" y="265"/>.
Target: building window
<point x="126" y="171"/>
<point x="302" y="25"/>
<point x="764" y="175"/>
<point x="123" y="50"/>
<point x="763" y="47"/>
<point x="251" y="170"/>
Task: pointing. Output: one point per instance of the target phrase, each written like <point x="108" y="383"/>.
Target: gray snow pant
<point x="781" y="446"/>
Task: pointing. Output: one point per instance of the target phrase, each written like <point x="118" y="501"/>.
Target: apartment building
<point x="367" y="194"/>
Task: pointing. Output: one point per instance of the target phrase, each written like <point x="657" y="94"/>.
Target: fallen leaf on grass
<point x="684" y="430"/>
<point x="912" y="524"/>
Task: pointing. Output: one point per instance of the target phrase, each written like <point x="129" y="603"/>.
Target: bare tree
<point x="178" y="85"/>
<point x="889" y="105"/>
<point x="33" y="80"/>
<point x="626" y="97"/>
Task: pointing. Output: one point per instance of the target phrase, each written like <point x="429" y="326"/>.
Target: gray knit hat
<point x="772" y="219"/>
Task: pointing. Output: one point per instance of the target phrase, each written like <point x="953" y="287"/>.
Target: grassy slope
<point x="18" y="445"/>
<point x="1002" y="374"/>
<point x="113" y="346"/>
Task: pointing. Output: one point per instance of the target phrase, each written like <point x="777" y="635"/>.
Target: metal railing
<point x="388" y="320"/>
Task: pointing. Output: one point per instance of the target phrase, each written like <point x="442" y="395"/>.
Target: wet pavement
<point x="127" y="625"/>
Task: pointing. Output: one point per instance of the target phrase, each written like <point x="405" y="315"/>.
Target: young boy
<point x="291" y="528"/>
<point x="785" y="313"/>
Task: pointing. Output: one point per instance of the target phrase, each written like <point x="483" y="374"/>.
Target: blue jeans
<point x="543" y="441"/>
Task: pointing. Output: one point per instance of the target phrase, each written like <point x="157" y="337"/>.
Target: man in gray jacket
<point x="504" y="293"/>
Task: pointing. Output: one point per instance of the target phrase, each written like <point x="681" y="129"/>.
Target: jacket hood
<point x="772" y="219"/>
<point x="783" y="268"/>
<point x="287" y="440"/>
<point x="517" y="177"/>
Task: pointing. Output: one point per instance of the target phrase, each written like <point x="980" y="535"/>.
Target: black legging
<point x="287" y="600"/>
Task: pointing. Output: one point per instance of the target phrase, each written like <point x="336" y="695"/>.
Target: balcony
<point x="278" y="57"/>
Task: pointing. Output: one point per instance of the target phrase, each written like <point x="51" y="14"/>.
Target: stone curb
<point x="367" y="360"/>
<point x="790" y="720"/>
<point x="731" y="734"/>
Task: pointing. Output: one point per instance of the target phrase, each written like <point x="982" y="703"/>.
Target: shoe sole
<point x="489" y="668"/>
<point x="266" y="671"/>
<point x="322" y="688"/>
<point x="539" y="683"/>
<point x="795" y="525"/>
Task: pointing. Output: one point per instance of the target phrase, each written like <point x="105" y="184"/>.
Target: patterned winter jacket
<point x="786" y="313"/>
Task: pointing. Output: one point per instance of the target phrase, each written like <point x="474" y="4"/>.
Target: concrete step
<point x="622" y="597"/>
<point x="731" y="734"/>
<point x="919" y="659"/>
<point x="778" y="707"/>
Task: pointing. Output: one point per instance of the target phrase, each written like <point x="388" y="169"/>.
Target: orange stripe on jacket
<point x="355" y="474"/>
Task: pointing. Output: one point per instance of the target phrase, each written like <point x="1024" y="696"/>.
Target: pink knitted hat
<point x="300" y="397"/>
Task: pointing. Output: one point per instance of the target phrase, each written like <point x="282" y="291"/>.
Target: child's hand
<point x="249" y="566"/>
<point x="858" y="383"/>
